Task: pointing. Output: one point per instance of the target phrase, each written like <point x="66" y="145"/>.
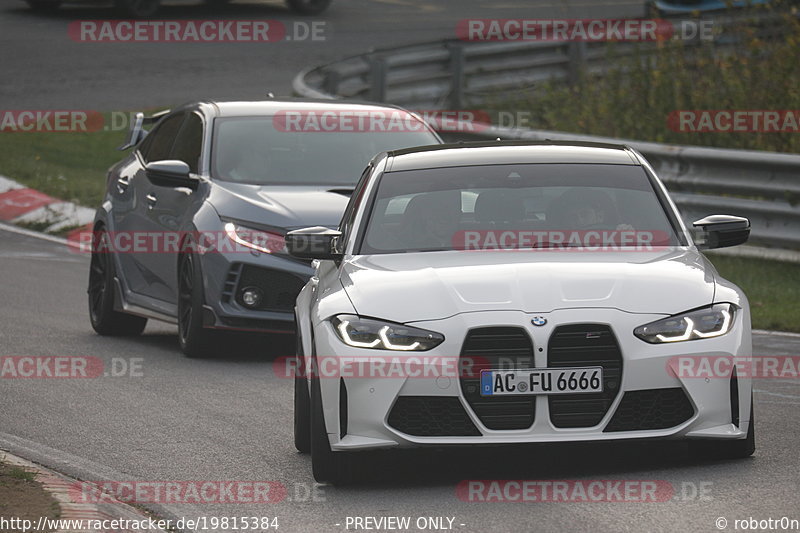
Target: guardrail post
<point x="377" y="79"/>
<point x="457" y="79"/>
<point x="576" y="52"/>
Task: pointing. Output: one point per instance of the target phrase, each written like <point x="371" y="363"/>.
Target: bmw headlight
<point x="256" y="239"/>
<point x="699" y="324"/>
<point x="379" y="335"/>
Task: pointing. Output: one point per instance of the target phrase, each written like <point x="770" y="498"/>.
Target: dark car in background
<point x="148" y="8"/>
<point x="191" y="229"/>
<point x="656" y="8"/>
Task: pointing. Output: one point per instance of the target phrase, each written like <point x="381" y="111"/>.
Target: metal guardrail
<point x="450" y="73"/>
<point x="762" y="186"/>
<point x="454" y="73"/>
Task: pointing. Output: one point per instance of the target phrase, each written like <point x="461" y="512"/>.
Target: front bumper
<point x="226" y="274"/>
<point x="657" y="402"/>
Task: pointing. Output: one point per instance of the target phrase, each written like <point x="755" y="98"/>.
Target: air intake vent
<point x="584" y="345"/>
<point x="231" y="281"/>
<point x="280" y="289"/>
<point x="431" y="416"/>
<point x="651" y="409"/>
<point x="497" y="348"/>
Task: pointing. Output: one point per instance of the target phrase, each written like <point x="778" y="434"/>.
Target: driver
<point x="586" y="209"/>
<point x="248" y="165"/>
<point x="242" y="156"/>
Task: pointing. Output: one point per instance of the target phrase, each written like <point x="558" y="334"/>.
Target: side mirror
<point x="314" y="243"/>
<point x="721" y="231"/>
<point x="170" y="173"/>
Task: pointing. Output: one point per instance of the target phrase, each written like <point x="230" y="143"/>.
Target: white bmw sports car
<point x="504" y="293"/>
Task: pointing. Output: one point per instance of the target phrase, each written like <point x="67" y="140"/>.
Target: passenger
<point x="585" y="209"/>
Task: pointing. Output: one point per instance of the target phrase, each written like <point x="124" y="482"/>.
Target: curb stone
<point x="60" y="486"/>
<point x="23" y="205"/>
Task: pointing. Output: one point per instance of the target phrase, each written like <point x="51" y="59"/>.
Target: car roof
<point x="510" y="152"/>
<point x="272" y="106"/>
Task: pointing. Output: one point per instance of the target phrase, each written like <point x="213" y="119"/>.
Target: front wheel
<point x="308" y="7"/>
<point x="138" y="8"/>
<point x="105" y="320"/>
<point x="194" y="340"/>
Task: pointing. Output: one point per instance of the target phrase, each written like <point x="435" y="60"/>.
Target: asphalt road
<point x="44" y="69"/>
<point x="229" y="418"/>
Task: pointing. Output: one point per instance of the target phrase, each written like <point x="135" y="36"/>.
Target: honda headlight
<point x="699" y="324"/>
<point x="256" y="239"/>
<point x="379" y="335"/>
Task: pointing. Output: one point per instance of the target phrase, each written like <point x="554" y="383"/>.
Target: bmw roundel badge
<point x="538" y="321"/>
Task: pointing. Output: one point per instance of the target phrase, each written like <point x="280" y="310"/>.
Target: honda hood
<point x="281" y="206"/>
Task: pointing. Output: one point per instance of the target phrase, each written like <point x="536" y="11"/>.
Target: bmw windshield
<point x="517" y="206"/>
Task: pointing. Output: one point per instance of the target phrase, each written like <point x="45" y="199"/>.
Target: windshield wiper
<point x="427" y="250"/>
<point x="342" y="191"/>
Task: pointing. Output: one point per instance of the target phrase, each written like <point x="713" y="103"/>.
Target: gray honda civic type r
<point x="191" y="229"/>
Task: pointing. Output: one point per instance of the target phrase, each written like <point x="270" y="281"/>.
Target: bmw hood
<point x="434" y="285"/>
<point x="281" y="206"/>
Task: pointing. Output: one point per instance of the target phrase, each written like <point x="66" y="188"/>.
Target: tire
<point x="727" y="449"/>
<point x="336" y="468"/>
<point x="195" y="341"/>
<point x="308" y="7"/>
<point x="104" y="319"/>
<point x="44" y="5"/>
<point x="302" y="403"/>
<point x="138" y="8"/>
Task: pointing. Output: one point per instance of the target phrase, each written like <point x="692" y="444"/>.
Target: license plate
<point x="541" y="381"/>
